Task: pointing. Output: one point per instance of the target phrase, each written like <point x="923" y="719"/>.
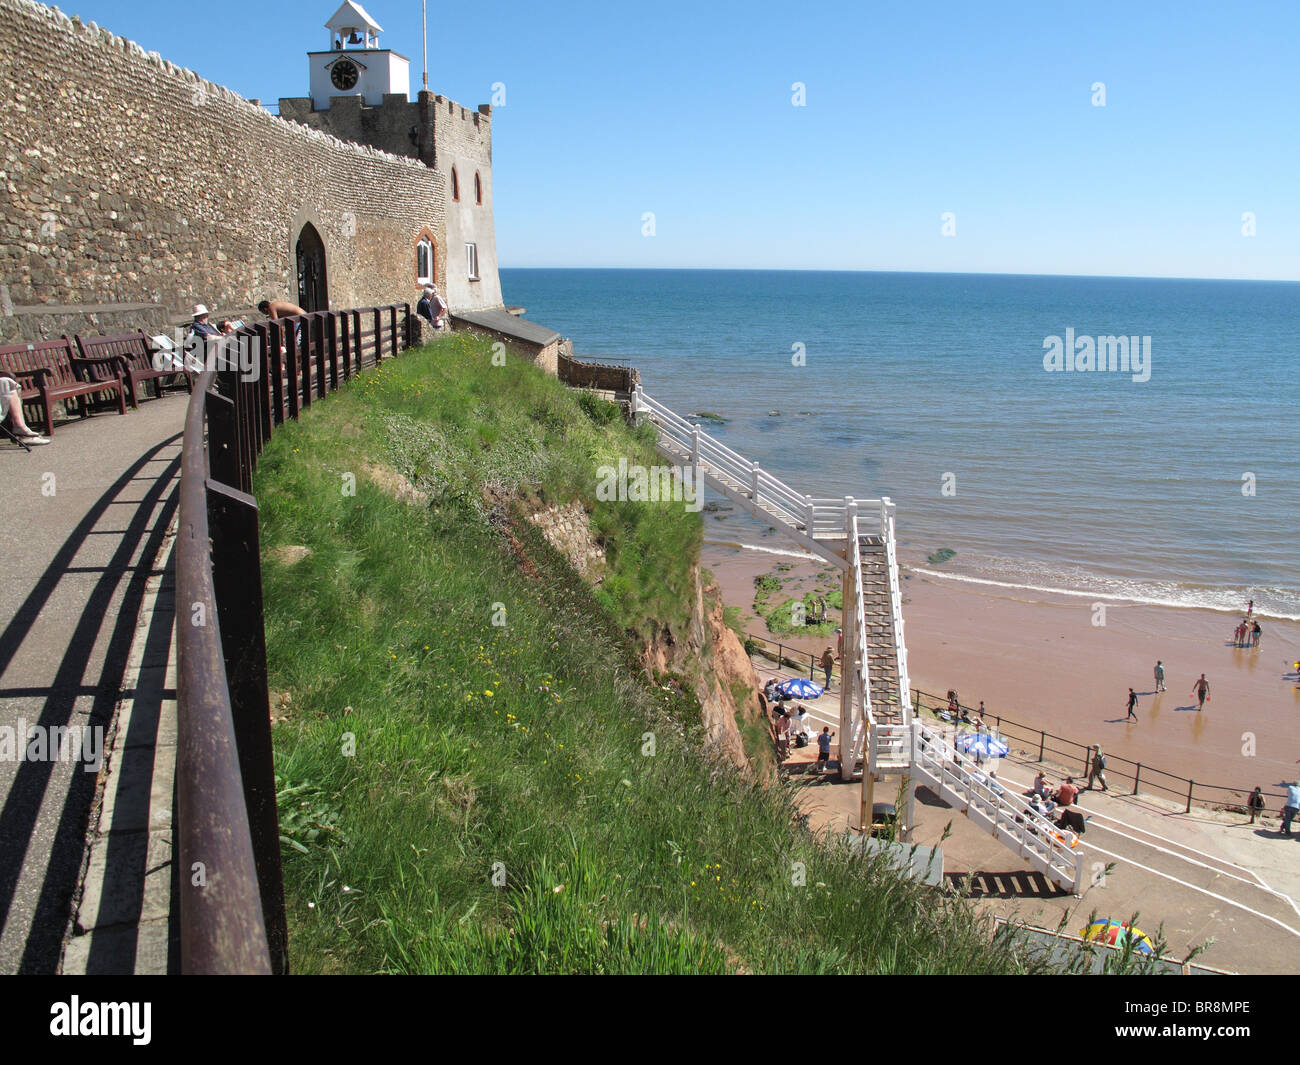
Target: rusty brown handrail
<point x="221" y="923"/>
<point x="231" y="902"/>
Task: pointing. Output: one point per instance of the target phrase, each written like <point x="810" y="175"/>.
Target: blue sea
<point x="1182" y="489"/>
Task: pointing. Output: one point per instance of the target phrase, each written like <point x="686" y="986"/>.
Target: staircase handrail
<point x="1011" y="816"/>
<point x="896" y="608"/>
<point x="861" y="670"/>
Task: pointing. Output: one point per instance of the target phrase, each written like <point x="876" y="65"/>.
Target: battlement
<point x="295" y="106"/>
<point x="484" y="110"/>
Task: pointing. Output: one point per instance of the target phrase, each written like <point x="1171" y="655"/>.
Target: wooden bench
<point x="135" y="360"/>
<point x="51" y="371"/>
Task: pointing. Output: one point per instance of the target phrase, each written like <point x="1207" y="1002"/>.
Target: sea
<point x="968" y="400"/>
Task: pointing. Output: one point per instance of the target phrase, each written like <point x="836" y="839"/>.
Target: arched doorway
<point x="313" y="290"/>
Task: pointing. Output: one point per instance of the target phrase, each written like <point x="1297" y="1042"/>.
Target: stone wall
<point x="463" y="143"/>
<point x="448" y="137"/>
<point x="598" y="375"/>
<point x="127" y="180"/>
<point x="568" y="530"/>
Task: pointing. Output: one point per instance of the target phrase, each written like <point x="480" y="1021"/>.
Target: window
<point x="424" y="262"/>
<point x="478" y="189"/>
<point x="455" y="185"/>
<point x="471" y="261"/>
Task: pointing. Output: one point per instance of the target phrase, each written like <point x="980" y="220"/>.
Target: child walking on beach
<point x="1160" y="677"/>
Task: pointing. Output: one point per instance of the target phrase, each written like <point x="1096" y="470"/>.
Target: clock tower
<point x="355" y="65"/>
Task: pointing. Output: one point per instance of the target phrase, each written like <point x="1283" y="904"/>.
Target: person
<point x="1292" y="806"/>
<point x="783" y="734"/>
<point x="1041" y="805"/>
<point x="1250" y="607"/>
<point x="1160" y="677"/>
<point x="200" y="326"/>
<point x="1132" y="705"/>
<point x="839" y="643"/>
<point x="801" y="721"/>
<point x="1237" y="634"/>
<point x="11" y="413"/>
<point x="431" y="307"/>
<point x="1097" y="770"/>
<point x="1254" y="635"/>
<point x="1066" y="793"/>
<point x="1202" y="691"/>
<point x="824" y="748"/>
<point x="274" y="309"/>
<point x="1039" y="787"/>
<point x="279" y="309"/>
<point x="1255" y="803"/>
<point x="828" y="663"/>
<point x="821" y="610"/>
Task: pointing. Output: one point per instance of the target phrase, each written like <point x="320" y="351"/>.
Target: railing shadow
<point x="21" y="813"/>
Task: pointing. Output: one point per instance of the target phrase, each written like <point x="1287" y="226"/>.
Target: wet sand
<point x="1037" y="658"/>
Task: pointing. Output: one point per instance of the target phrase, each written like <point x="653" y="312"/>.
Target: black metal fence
<point x="232" y="917"/>
<point x="1043" y="746"/>
<point x="788" y="657"/>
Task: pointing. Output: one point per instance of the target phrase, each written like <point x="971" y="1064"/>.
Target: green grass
<point x="463" y="796"/>
<point x="778" y="612"/>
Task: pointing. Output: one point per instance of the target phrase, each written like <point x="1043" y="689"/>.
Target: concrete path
<point x="85" y="520"/>
<point x="1207" y="877"/>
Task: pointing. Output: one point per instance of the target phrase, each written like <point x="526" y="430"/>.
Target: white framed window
<point x="471" y="261"/>
<point x="424" y="262"/>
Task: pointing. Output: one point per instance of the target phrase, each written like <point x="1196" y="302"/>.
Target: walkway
<point x="1205" y="876"/>
<point x="86" y="518"/>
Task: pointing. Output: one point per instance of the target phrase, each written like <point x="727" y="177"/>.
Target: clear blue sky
<point x="913" y="110"/>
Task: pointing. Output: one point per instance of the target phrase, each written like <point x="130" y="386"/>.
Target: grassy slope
<point x="522" y="750"/>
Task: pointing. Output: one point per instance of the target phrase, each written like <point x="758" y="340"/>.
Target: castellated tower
<point x="360" y="92"/>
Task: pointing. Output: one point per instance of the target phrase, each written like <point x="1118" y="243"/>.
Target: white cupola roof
<point x="351" y="22"/>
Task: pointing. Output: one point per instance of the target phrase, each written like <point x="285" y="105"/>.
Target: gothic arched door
<point x="313" y="291"/>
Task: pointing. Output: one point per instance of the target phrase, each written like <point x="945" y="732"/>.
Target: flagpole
<point x="424" y="32"/>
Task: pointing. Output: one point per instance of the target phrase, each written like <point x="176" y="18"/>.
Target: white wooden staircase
<point x="877" y="730"/>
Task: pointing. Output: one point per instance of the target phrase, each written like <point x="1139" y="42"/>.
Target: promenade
<point x="1206" y="876"/>
<point x="87" y="519"/>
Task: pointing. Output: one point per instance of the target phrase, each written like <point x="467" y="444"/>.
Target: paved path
<point x="1205" y="876"/>
<point x="85" y="519"/>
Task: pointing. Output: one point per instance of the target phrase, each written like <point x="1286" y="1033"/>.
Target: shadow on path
<point x="20" y="814"/>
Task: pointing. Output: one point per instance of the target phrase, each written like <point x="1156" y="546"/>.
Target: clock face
<point x="344" y="74"/>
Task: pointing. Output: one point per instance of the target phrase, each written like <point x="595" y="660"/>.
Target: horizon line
<point x="924" y="273"/>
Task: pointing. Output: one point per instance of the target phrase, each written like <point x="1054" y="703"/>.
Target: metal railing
<point x="231" y="902"/>
<point x="1008" y="817"/>
<point x="1071" y="753"/>
<point x="883" y="746"/>
<point x="807" y="519"/>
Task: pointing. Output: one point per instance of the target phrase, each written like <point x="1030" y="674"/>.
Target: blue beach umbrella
<point x="984" y="744"/>
<point x="800" y="688"/>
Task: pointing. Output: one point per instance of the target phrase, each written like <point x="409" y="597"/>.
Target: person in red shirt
<point x="1066" y="793"/>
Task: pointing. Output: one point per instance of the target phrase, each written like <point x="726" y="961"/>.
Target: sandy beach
<point x="1038" y="658"/>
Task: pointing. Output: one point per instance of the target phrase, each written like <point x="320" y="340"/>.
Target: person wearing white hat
<point x="202" y="327"/>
